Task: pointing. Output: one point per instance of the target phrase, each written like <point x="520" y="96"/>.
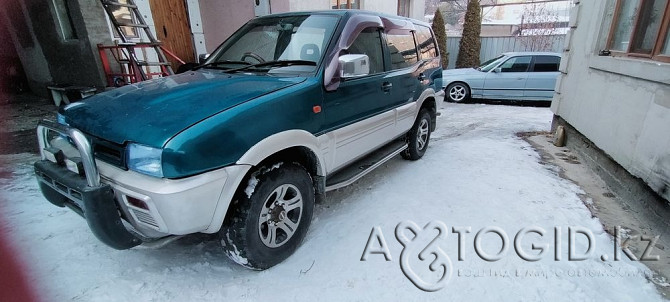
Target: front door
<point x="508" y="80"/>
<point x="173" y="29"/>
<point x="359" y="115"/>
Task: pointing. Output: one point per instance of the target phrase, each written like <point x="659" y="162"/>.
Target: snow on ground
<point x="476" y="173"/>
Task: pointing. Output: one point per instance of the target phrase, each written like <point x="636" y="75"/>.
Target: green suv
<point x="289" y="107"/>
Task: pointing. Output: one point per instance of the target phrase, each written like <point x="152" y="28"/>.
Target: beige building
<point x="614" y="91"/>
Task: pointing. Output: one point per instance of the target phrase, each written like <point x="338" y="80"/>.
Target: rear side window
<point x="426" y="43"/>
<point x="402" y="49"/>
<point x="369" y="42"/>
<point x="546" y="63"/>
<point x="516" y="64"/>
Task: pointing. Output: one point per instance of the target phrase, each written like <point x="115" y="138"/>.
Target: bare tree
<point x="538" y="27"/>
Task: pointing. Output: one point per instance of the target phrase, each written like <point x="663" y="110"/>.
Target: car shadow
<point x="520" y="103"/>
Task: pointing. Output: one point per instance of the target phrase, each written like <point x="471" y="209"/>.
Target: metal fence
<point x="493" y="46"/>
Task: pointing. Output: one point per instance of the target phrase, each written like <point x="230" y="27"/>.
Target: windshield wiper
<point x="278" y="63"/>
<point x="215" y="64"/>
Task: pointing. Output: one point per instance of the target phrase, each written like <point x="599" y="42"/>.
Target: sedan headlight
<point x="145" y="160"/>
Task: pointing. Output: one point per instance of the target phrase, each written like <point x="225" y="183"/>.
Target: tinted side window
<point x="369" y="42"/>
<point x="402" y="49"/>
<point x="516" y="64"/>
<point x="426" y="43"/>
<point x="546" y="63"/>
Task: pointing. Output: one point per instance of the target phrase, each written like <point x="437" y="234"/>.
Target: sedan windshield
<point x="490" y="64"/>
<point x="277" y="39"/>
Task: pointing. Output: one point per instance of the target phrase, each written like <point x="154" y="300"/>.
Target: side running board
<point x="361" y="167"/>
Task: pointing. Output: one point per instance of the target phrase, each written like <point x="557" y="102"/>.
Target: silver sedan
<point x="511" y="76"/>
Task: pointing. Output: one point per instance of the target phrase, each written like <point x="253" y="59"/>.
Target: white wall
<point x="221" y="18"/>
<point x="417" y="7"/>
<point x="622" y="105"/>
<point x="417" y="10"/>
<point x="382" y="6"/>
<point x="302" y="5"/>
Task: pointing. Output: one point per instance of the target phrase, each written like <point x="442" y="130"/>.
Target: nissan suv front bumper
<point x="85" y="195"/>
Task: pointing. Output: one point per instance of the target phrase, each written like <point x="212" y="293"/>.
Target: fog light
<point x="75" y="165"/>
<point x="53" y="155"/>
<point x="138" y="203"/>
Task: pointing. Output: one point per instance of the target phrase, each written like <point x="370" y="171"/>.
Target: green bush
<point x="470" y="46"/>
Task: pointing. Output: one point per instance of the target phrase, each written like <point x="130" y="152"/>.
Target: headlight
<point x="61" y="119"/>
<point x="145" y="160"/>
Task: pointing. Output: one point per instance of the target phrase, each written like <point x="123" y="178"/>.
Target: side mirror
<point x="497" y="70"/>
<point x="352" y="66"/>
<point x="202" y="58"/>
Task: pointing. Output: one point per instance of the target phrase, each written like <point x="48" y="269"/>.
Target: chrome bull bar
<point x="80" y="141"/>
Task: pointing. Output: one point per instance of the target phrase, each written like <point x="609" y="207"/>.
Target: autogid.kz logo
<point x="424" y="262"/>
<point x="418" y="243"/>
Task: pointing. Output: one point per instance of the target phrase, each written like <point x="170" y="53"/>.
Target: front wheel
<point x="418" y="137"/>
<point x="270" y="216"/>
<point x="457" y="92"/>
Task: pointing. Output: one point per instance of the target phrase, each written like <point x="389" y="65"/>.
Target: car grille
<point x="109" y="152"/>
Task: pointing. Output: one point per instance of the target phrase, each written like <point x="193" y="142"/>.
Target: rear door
<point x="430" y="70"/>
<point x="542" y="78"/>
<point x="403" y="81"/>
<point x="508" y="80"/>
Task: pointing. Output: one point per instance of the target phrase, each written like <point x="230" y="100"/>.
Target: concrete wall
<point x="27" y="47"/>
<point x="302" y="5"/>
<point x="46" y="56"/>
<point x="622" y="105"/>
<point x="221" y="18"/>
<point x="417" y="7"/>
<point x="280" y="6"/>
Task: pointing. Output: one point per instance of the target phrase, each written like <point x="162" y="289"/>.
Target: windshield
<point x="294" y="38"/>
<point x="490" y="64"/>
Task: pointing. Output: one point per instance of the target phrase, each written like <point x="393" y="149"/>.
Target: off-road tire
<point x="420" y="132"/>
<point x="241" y="234"/>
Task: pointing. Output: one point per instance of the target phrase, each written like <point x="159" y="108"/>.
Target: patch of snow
<point x="253" y="180"/>
<point x="235" y="256"/>
<point x="251" y="186"/>
<point x="476" y="172"/>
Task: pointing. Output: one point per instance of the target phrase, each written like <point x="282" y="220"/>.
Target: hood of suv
<point x="152" y="112"/>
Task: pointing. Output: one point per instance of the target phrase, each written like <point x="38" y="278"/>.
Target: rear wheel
<point x="270" y="216"/>
<point x="418" y="137"/>
<point x="457" y="92"/>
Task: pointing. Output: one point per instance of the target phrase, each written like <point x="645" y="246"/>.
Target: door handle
<point x="386" y="86"/>
<point x="519" y="79"/>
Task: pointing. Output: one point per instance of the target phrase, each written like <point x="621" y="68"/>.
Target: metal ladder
<point x="134" y="63"/>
